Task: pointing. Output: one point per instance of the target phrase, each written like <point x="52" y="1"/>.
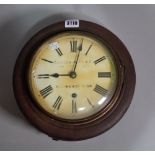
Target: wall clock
<point x="74" y="80"/>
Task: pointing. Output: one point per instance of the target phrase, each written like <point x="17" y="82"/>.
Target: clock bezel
<point x="101" y="112"/>
<point x="88" y="127"/>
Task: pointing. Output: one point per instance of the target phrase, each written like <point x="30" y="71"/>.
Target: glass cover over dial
<point x="72" y="75"/>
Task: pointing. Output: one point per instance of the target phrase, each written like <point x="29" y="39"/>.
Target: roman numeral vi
<point x="74" y="108"/>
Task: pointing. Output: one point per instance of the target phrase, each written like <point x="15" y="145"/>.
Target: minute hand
<point x="77" y="58"/>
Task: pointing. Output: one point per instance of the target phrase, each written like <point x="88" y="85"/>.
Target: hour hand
<point x="56" y="75"/>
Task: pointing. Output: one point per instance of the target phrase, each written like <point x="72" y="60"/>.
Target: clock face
<point x="72" y="76"/>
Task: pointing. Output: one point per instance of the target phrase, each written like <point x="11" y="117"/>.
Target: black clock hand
<point x="77" y="57"/>
<point x="76" y="61"/>
<point x="56" y="75"/>
<point x="72" y="74"/>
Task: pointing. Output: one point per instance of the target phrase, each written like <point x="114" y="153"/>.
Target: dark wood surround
<point x="85" y="128"/>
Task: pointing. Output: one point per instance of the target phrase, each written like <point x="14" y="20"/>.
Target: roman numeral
<point x="100" y="90"/>
<point x="59" y="51"/>
<point x="74" y="108"/>
<point x="47" y="60"/>
<point x="90" y="103"/>
<point x="46" y="91"/>
<point x="99" y="60"/>
<point x="57" y="103"/>
<point x="73" y="45"/>
<point x="80" y="45"/>
<point x="104" y="74"/>
<point x="43" y="76"/>
<point x="88" y="49"/>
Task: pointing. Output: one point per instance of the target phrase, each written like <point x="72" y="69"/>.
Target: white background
<point x="133" y="24"/>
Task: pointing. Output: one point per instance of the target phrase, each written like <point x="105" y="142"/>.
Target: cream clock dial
<point x="72" y="75"/>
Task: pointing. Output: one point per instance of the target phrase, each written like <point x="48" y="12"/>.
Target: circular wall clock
<point x="74" y="80"/>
